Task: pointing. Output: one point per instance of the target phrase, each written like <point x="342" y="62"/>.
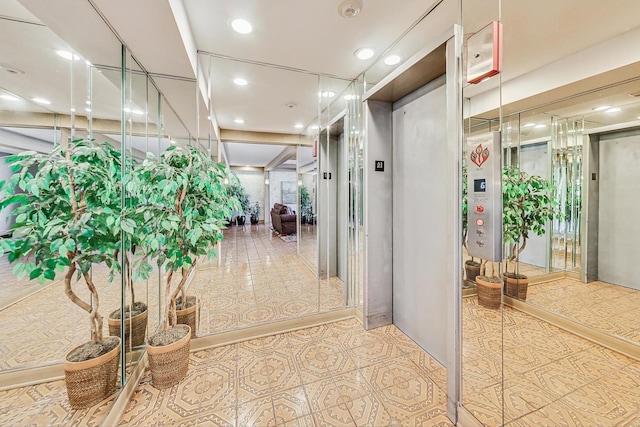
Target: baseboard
<point x="279" y="327"/>
<point x="465" y="419"/>
<point x="119" y="405"/>
<point x="609" y="341"/>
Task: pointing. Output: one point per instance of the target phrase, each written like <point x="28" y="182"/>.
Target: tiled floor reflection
<point x="331" y="375"/>
<point x="260" y="279"/>
<point x="550" y="377"/>
<point x="605" y="307"/>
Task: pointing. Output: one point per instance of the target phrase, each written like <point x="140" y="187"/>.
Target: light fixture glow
<point x="298" y="126"/>
<point x="602" y="108"/>
<point x="612" y="110"/>
<point x="314" y="127"/>
<point x="41" y="101"/>
<point x="364" y="53"/>
<point x="138" y="112"/>
<point x="87" y="102"/>
<point x="172" y="142"/>
<point x="326" y="94"/>
<point x="350" y="97"/>
<point x="528" y="125"/>
<point x="9" y="98"/>
<point x="240" y="82"/>
<point x="540" y="126"/>
<point x="68" y="55"/>
<point x="392" y="59"/>
<point x="239" y="121"/>
<point x="88" y="110"/>
<point x="266" y="181"/>
<point x="73" y="110"/>
<point x="241" y="26"/>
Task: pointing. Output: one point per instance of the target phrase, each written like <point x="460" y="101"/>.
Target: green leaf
<point x="36" y="272"/>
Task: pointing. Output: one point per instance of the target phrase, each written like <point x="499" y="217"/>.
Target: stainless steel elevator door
<point x="420" y="212"/>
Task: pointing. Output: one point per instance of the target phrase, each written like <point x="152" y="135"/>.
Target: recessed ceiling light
<point x="298" y="126"/>
<point x="350" y="97"/>
<point x="392" y="59"/>
<point x="87" y="102"/>
<point x="364" y="53"/>
<point x="602" y="108"/>
<point x="68" y="55"/>
<point x="314" y="127"/>
<point x="239" y="121"/>
<point x="326" y="94"/>
<point x="528" y="125"/>
<point x="612" y="110"/>
<point x="138" y="112"/>
<point x="41" y="101"/>
<point x="240" y="82"/>
<point x="541" y="126"/>
<point x="73" y="110"/>
<point x="88" y="110"/>
<point x="241" y="26"/>
<point x="9" y="98"/>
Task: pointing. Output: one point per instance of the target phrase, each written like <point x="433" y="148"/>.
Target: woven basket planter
<point x="489" y="293"/>
<point x="189" y="316"/>
<point x="516" y="287"/>
<point x="471" y="271"/>
<point x="169" y="363"/>
<point x="135" y="329"/>
<point x="93" y="380"/>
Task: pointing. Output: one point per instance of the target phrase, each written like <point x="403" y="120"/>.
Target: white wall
<point x="276" y="178"/>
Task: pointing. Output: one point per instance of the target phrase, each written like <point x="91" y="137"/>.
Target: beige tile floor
<point x="603" y="306"/>
<point x="331" y="375"/>
<point x="542" y="375"/>
<point x="260" y="279"/>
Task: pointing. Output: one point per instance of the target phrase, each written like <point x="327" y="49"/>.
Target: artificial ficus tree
<point x="66" y="206"/>
<point x="182" y="206"/>
<point x="527" y="206"/>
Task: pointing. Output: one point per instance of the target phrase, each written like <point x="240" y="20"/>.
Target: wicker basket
<point x="489" y="293"/>
<point x="189" y="316"/>
<point x="472" y="271"/>
<point x="135" y="329"/>
<point x="516" y="287"/>
<point x="169" y="363"/>
<point x="93" y="380"/>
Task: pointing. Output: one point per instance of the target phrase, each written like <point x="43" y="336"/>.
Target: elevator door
<point x="619" y="232"/>
<point x="420" y="212"/>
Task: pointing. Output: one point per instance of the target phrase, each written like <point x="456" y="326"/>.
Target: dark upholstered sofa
<point x="282" y="220"/>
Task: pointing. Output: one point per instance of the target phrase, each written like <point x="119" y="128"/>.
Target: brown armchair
<point x="283" y="221"/>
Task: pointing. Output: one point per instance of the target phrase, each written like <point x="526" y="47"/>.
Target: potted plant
<point x="489" y="287"/>
<point x="182" y="206"/>
<point x="254" y="212"/>
<point x="471" y="267"/>
<point x="306" y="209"/>
<point x="66" y="208"/>
<point x="527" y="206"/>
<point x="237" y="191"/>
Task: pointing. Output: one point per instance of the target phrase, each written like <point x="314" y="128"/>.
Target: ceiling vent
<point x="349" y="8"/>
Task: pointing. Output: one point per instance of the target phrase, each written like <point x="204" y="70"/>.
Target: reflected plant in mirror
<point x="66" y="205"/>
<point x="182" y="207"/>
<point x="306" y="209"/>
<point x="527" y="207"/>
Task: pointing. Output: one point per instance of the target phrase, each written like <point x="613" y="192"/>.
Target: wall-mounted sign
<point x="379" y="165"/>
<point x="484" y="53"/>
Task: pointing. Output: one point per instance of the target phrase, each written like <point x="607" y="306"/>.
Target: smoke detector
<point x="290" y="105"/>
<point x="349" y="8"/>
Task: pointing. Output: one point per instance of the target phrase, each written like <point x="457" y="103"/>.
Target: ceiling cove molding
<point x="288" y="153"/>
<point x="229" y="135"/>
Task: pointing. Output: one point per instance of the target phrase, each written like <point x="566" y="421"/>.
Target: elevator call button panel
<point x="484" y="196"/>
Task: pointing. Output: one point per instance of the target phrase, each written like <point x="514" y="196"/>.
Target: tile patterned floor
<point x="547" y="377"/>
<point x="260" y="278"/>
<point x="331" y="375"/>
<point x="617" y="307"/>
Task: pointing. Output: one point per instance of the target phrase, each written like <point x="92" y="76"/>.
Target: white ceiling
<point x="301" y="42"/>
<point x="252" y="155"/>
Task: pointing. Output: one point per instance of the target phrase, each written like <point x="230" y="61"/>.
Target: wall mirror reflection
<point x="308" y="191"/>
